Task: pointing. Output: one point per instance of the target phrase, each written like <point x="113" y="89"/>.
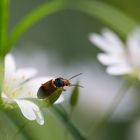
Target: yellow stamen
<point x="30" y="93"/>
<point x="14" y="94"/>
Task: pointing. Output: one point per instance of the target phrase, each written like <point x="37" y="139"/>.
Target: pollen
<point x="23" y="77"/>
<point x="14" y="94"/>
<point x="30" y="93"/>
<point x="21" y="88"/>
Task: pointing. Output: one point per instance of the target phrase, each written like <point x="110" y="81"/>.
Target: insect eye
<point x="59" y="82"/>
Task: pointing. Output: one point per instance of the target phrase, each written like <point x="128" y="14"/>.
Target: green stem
<point x="103" y="12"/>
<point x="35" y="16"/>
<point x="4" y="10"/>
<point x="66" y="134"/>
<point x="21" y="131"/>
<point x="107" y="114"/>
<point x="19" y="124"/>
<point x="107" y="14"/>
<point x="67" y="123"/>
<point x="1" y="77"/>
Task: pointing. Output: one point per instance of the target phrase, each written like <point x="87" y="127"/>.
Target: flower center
<point x="17" y="91"/>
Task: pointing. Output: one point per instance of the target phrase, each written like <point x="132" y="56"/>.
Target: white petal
<point x="133" y="43"/>
<point x="39" y="118"/>
<point x="60" y="99"/>
<point x="3" y="95"/>
<point x="113" y="39"/>
<point x="108" y="42"/>
<point x="118" y="69"/>
<point x="26" y="73"/>
<point x="99" y="41"/>
<point x="20" y="76"/>
<point x="108" y="59"/>
<point x="10" y="65"/>
<point x="31" y="87"/>
<point x="30" y="111"/>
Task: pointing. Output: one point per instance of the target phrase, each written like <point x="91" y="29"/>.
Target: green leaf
<point x="54" y="96"/>
<point x="109" y="15"/>
<point x="4" y="5"/>
<point x="48" y="101"/>
<point x="35" y="16"/>
<point x="66" y="121"/>
<point x="74" y="96"/>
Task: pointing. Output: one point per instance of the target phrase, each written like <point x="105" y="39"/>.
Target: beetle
<point x="52" y="85"/>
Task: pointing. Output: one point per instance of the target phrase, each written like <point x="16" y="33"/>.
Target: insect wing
<point x="46" y="90"/>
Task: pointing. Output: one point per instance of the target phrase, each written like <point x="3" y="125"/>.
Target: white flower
<point x="119" y="57"/>
<point x="20" y="86"/>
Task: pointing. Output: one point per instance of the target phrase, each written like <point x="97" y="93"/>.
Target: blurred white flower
<point x="20" y="86"/>
<point x="120" y="58"/>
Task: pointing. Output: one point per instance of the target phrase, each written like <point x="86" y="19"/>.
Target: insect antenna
<point x="75" y="76"/>
<point x="76" y="85"/>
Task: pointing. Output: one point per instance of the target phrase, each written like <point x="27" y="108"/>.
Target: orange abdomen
<point x="46" y="90"/>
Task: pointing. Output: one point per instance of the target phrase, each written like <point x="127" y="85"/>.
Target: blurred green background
<point x="57" y="46"/>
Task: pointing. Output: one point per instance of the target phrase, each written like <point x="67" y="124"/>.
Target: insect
<point x="52" y="85"/>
